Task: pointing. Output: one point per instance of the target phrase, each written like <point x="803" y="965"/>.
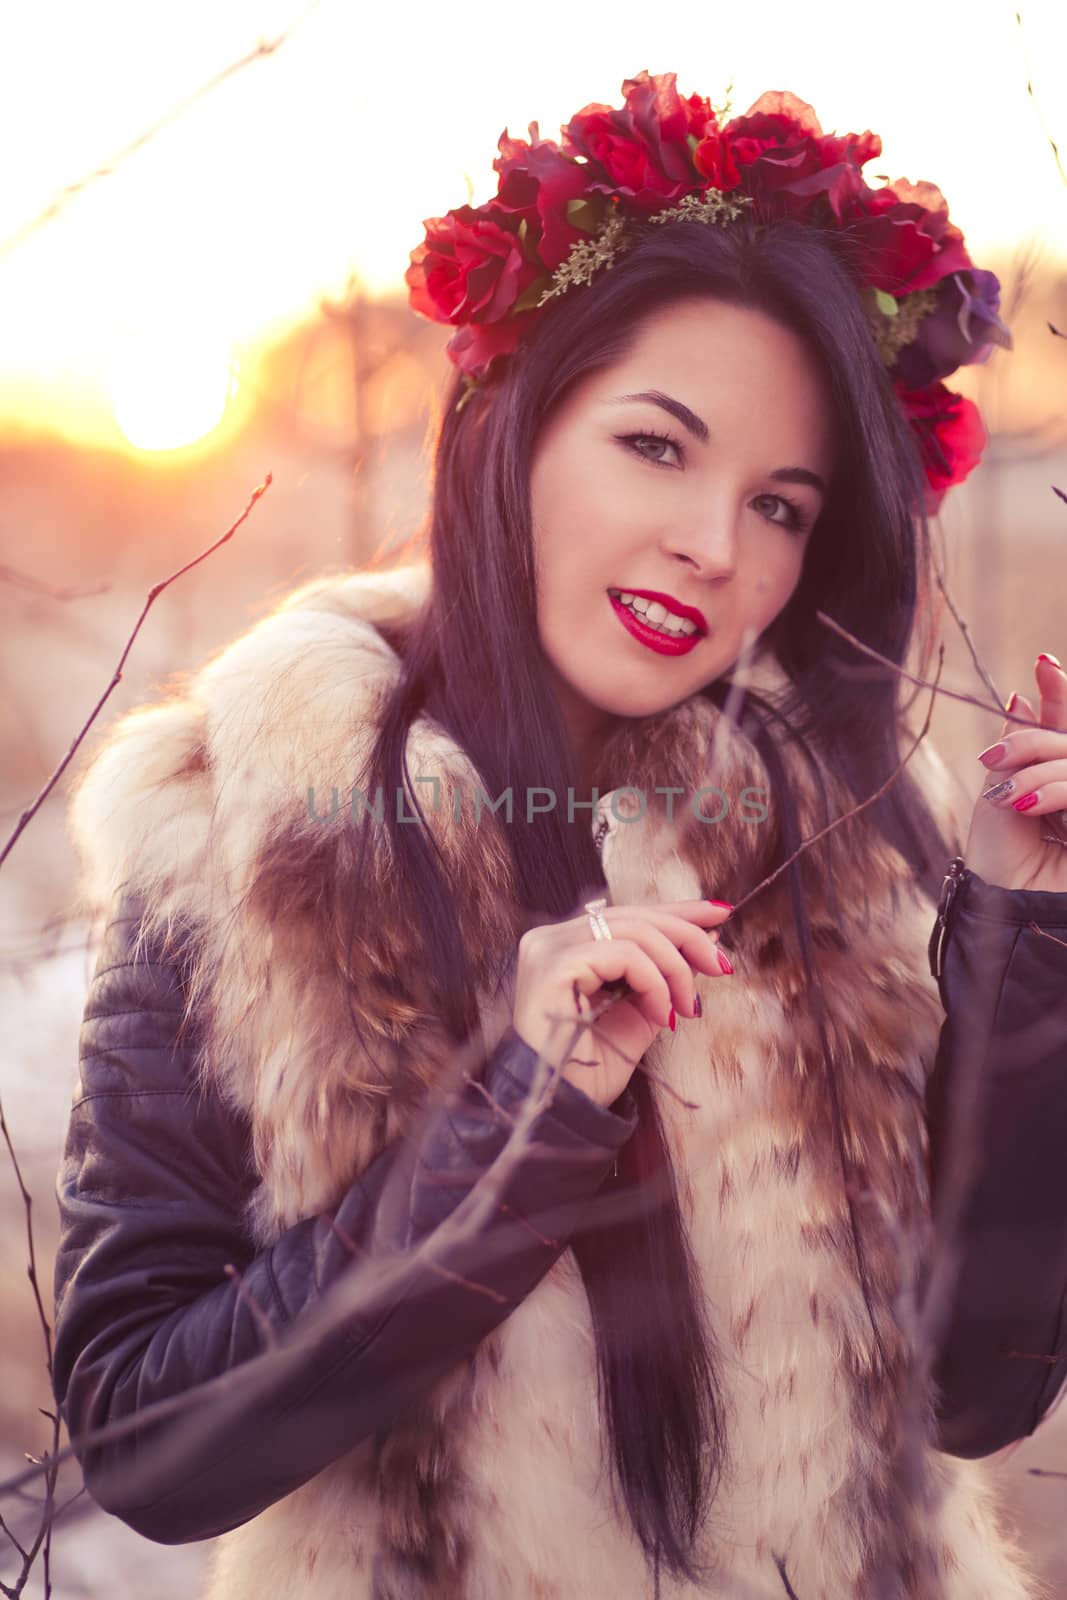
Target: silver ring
<point x="597" y="920"/>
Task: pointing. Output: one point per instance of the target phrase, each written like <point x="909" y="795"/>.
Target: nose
<point x="707" y="542"/>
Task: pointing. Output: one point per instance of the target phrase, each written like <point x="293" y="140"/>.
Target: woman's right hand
<point x="562" y="970"/>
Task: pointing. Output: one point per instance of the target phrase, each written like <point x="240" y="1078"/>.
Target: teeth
<point x="655" y="615"/>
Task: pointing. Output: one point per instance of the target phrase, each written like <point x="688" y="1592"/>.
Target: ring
<point x="597" y="920"/>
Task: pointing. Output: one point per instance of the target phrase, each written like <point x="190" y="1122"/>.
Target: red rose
<point x="643" y="147"/>
<point x="950" y="434"/>
<point x="907" y="240"/>
<point x="714" y="159"/>
<point x="536" y="182"/>
<point x="783" y="155"/>
<point x="474" y="348"/>
<point x="469" y="268"/>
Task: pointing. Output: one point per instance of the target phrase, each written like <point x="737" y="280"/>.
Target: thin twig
<point x="258" y="1314"/>
<point x="979" y="666"/>
<point x="53" y="591"/>
<point x="924" y="683"/>
<point x="855" y="810"/>
<point x="153" y="594"/>
<point x="265" y="47"/>
<point x="252" y="1382"/>
<point x="49" y="1459"/>
<point x="1037" y="104"/>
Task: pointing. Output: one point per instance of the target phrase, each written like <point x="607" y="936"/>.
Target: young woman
<point x="625" y="1100"/>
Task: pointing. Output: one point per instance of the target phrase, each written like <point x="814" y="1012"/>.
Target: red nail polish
<point x="1026" y="801"/>
<point x="724" y="962"/>
<point x="672" y="1019"/>
<point x="990" y="757"/>
<point x="724" y="903"/>
<point x="1051" y="659"/>
<point x="698" y="1009"/>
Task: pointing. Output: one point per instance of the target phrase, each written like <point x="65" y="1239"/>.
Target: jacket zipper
<point x="950" y="888"/>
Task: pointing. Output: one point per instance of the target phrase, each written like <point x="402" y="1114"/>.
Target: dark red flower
<point x="714" y="159"/>
<point x="469" y="268"/>
<point x="782" y="155"/>
<point x="536" y="182"/>
<point x="643" y="148"/>
<point x="950" y="434"/>
<point x="906" y="239"/>
<point x="476" y="346"/>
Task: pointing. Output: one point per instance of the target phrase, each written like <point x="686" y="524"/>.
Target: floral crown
<point x="563" y="212"/>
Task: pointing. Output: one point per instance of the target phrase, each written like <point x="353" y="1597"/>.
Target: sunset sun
<point x="171" y="388"/>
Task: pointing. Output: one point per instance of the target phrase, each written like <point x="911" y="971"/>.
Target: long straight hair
<point x="473" y="661"/>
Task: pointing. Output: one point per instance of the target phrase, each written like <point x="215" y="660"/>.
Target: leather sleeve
<point x="1003" y="1057"/>
<point x="151" y="1190"/>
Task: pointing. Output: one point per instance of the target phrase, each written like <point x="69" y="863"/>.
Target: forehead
<point x="737" y="368"/>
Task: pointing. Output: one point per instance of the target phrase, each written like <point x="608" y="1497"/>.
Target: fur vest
<point x="201" y="800"/>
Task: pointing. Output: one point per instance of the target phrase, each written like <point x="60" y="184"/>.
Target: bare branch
<point x="924" y="683"/>
<point x="265" y="47"/>
<point x="1033" y="927"/>
<point x="153" y="594"/>
<point x="979" y="667"/>
<point x="251" y="1302"/>
<point x="23" y="580"/>
<point x="845" y="816"/>
<point x="49" y="1462"/>
<point x="1037" y="104"/>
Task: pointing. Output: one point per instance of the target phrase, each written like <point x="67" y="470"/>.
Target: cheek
<point x="776" y="579"/>
<point x="573" y="516"/>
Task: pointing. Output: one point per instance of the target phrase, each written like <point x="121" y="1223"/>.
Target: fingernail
<point x="1010" y="707"/>
<point x="672" y="1019"/>
<point x="698" y="1009"/>
<point x="724" y="903"/>
<point x="1025" y="802"/>
<point x="724" y="962"/>
<point x="1000" y="791"/>
<point x="1050" y="659"/>
<point x="993" y="756"/>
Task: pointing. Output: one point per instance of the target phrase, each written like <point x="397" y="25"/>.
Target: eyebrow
<point x="699" y="429"/>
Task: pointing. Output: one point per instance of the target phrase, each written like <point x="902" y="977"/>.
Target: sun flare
<point x="171" y="388"/>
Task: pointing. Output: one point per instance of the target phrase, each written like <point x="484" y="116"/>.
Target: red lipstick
<point x="663" y="643"/>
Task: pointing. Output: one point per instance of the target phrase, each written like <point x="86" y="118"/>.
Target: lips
<point x="689" y="613"/>
<point x="663" y="644"/>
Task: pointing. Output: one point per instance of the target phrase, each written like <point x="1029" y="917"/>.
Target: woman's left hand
<point x="1008" y="843"/>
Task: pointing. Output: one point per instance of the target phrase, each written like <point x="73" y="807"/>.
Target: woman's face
<point x="693" y="468"/>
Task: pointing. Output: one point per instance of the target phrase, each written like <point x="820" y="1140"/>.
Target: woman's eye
<point x="793" y="516"/>
<point x="652" y="447"/>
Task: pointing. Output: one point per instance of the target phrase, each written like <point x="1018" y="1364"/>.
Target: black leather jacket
<point x="155" y="1176"/>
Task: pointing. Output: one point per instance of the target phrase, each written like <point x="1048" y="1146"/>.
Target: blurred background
<point x="204" y="223"/>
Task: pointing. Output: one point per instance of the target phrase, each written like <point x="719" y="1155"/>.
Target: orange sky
<point x="323" y="158"/>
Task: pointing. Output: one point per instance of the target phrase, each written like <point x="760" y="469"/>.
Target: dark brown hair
<point x="474" y="663"/>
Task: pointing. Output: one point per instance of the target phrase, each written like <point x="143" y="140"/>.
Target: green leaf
<point x="584" y="214"/>
<point x="886" y="304"/>
<point x="529" y="297"/>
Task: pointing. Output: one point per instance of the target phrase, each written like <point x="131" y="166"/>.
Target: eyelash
<point x="798" y="521"/>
